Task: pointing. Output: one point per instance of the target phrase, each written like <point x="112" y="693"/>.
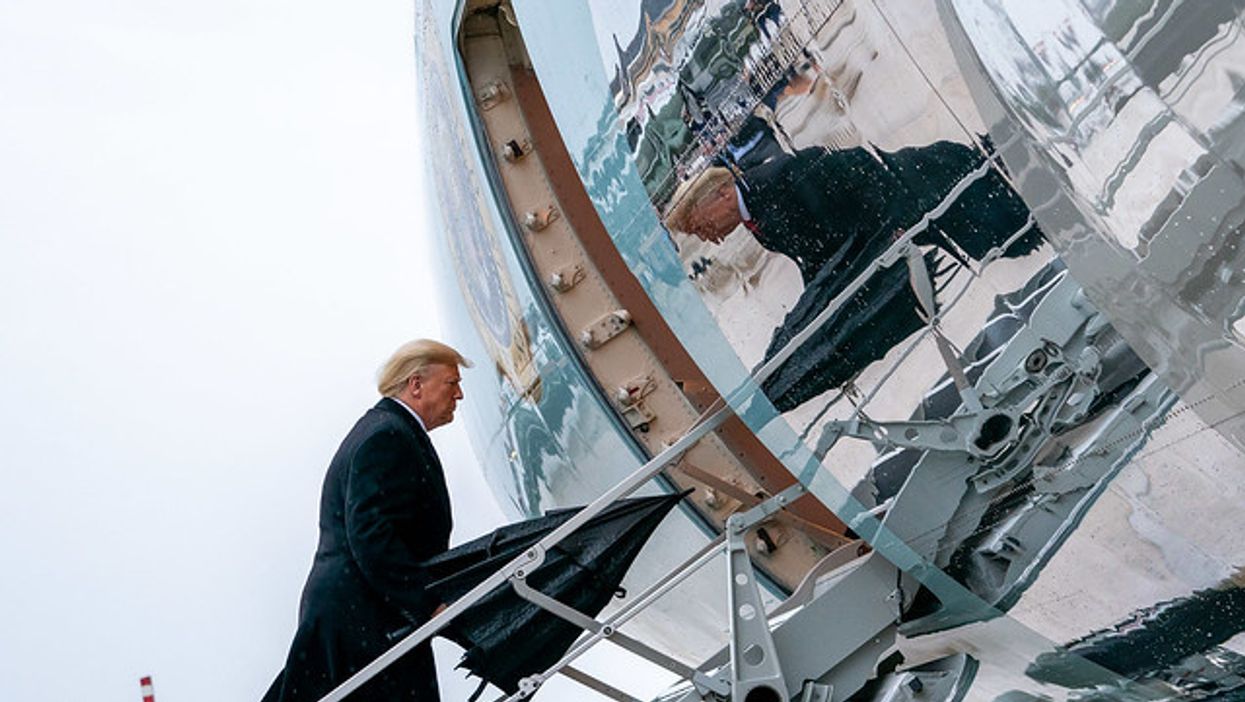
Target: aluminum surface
<point x="1118" y="125"/>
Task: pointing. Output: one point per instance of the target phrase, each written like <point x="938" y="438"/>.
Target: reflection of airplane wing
<point x="1034" y="448"/>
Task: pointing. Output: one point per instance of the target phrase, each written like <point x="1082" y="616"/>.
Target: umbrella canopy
<point x="507" y="638"/>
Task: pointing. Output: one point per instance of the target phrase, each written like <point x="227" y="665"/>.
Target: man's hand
<point x="440" y="609"/>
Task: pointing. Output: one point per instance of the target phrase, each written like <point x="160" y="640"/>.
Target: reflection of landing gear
<point x="982" y="484"/>
<point x="985" y="481"/>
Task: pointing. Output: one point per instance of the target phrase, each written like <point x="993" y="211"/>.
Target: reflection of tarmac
<point x="744" y="283"/>
<point x="1144" y="533"/>
<point x="863" y="68"/>
<point x="845" y="96"/>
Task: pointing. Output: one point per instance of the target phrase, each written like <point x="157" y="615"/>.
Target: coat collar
<point x="388" y="404"/>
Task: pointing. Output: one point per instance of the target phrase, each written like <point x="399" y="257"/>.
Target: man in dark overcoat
<point x="834" y="212"/>
<point x="384" y="510"/>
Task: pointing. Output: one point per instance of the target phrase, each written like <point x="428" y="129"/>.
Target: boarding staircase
<point x="834" y="633"/>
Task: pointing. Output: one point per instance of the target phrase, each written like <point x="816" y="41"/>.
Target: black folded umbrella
<point x="507" y="638"/>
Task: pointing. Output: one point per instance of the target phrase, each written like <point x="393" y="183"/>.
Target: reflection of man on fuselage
<point x="833" y="213"/>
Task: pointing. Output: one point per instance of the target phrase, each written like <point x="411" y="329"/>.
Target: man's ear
<point x="414" y="384"/>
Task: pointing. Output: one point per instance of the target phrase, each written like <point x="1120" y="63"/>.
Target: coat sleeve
<point x="386" y="492"/>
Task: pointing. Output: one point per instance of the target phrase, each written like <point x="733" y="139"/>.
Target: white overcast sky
<point x="212" y="236"/>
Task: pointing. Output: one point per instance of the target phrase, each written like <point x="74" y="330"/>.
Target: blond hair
<point x="690" y="194"/>
<point x="411" y="359"/>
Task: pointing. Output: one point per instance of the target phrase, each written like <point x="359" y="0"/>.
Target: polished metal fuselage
<point x="1102" y="493"/>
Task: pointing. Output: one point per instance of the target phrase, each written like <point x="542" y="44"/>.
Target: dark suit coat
<point x="383" y="511"/>
<point x="834" y="213"/>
